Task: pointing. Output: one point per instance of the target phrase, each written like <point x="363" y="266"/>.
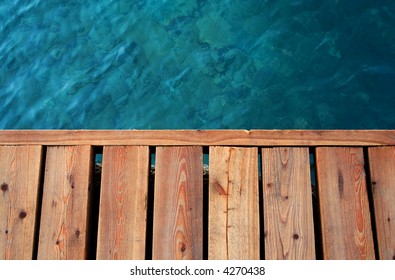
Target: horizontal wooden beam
<point x="200" y="137"/>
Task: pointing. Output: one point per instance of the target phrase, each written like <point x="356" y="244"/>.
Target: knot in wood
<point x="182" y="247"/>
<point x="22" y="215"/>
<point x="4" y="187"/>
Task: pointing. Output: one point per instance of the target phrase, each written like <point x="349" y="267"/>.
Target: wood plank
<point x="200" y="137"/>
<point x="345" y="215"/>
<point x="178" y="206"/>
<point x="63" y="226"/>
<point x="233" y="203"/>
<point x="382" y="171"/>
<point x="123" y="203"/>
<point x="288" y="211"/>
<point x="19" y="179"/>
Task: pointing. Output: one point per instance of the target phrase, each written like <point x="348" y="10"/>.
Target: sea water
<point x="172" y="64"/>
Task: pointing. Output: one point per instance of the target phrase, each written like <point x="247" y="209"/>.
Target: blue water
<point x="197" y="64"/>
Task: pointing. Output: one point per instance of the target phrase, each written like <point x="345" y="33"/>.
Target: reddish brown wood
<point x="178" y="206"/>
<point x="123" y="203"/>
<point x="19" y="180"/>
<point x="287" y="196"/>
<point x="233" y="203"/>
<point x="233" y="218"/>
<point x="382" y="171"/>
<point x="344" y="207"/>
<point x="200" y="137"/>
<point x="64" y="215"/>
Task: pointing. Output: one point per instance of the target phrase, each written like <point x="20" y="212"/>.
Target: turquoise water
<point x="197" y="64"/>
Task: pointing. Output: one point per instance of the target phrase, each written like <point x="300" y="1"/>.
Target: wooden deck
<point x="268" y="194"/>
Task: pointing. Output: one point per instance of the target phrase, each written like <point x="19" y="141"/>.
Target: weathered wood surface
<point x="287" y="199"/>
<point x="19" y="179"/>
<point x="344" y="207"/>
<point x="64" y="216"/>
<point x="178" y="204"/>
<point x="382" y="172"/>
<point x="62" y="197"/>
<point x="123" y="203"/>
<point x="233" y="203"/>
<point x="200" y="137"/>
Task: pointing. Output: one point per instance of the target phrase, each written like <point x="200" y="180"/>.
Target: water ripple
<point x="197" y="64"/>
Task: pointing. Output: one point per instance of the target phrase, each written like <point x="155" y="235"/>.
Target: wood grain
<point x="382" y="171"/>
<point x="123" y="203"/>
<point x="64" y="216"/>
<point x="200" y="137"/>
<point x="287" y="196"/>
<point x="233" y="203"/>
<point x="178" y="206"/>
<point x="345" y="215"/>
<point x="19" y="180"/>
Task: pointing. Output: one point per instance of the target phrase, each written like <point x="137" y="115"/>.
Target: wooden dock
<point x="268" y="194"/>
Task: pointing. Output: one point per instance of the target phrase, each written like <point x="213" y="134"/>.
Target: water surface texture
<point x="171" y="64"/>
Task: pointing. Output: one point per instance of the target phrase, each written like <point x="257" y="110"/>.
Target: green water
<point x="197" y="64"/>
